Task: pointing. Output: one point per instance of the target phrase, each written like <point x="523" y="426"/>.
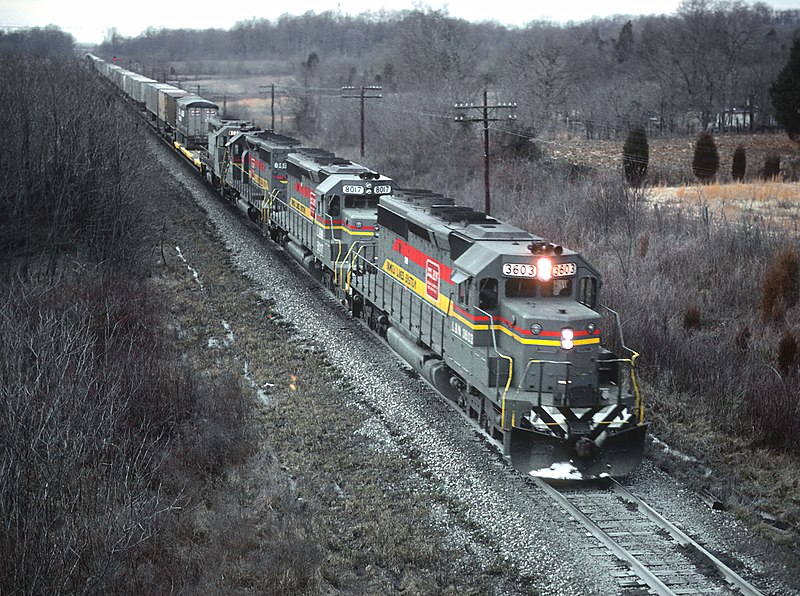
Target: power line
<point x="485" y="118"/>
<point x="363" y="95"/>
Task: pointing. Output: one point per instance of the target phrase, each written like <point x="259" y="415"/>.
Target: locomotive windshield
<point x="360" y="202"/>
<point x="531" y="288"/>
<point x="521" y="288"/>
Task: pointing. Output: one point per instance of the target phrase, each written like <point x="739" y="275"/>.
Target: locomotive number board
<point x="564" y="269"/>
<point x="519" y="270"/>
<point x="529" y="270"/>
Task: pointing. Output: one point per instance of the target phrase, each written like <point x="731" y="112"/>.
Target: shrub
<point x="644" y="245"/>
<point x="518" y="142"/>
<point x="772" y="166"/>
<point x="779" y="284"/>
<point x="787" y="352"/>
<point x="772" y="412"/>
<point x="739" y="163"/>
<point x="706" y="157"/>
<point x="635" y="156"/>
<point x="743" y="338"/>
<point x="691" y="317"/>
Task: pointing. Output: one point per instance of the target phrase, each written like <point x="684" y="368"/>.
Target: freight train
<point x="504" y="323"/>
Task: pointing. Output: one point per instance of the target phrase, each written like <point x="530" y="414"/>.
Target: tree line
<point x="710" y="64"/>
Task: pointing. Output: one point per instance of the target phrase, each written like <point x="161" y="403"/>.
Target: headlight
<point x="536" y="328"/>
<point x="590" y="328"/>
<point x="544" y="269"/>
<point x="567" y="337"/>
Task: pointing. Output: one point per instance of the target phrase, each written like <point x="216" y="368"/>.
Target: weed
<point x="739" y="163"/>
<point x="691" y="317"/>
<point x="779" y="284"/>
<point x="772" y="167"/>
<point x="787" y="352"/>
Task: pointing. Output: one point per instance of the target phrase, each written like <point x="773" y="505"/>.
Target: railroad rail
<point x="662" y="559"/>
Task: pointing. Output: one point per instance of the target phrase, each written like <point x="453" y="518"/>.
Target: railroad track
<point x="660" y="558"/>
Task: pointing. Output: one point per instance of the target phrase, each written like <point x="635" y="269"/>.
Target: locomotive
<point x="504" y="323"/>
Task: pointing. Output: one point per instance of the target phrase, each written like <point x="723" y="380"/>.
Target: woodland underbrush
<point x="123" y="467"/>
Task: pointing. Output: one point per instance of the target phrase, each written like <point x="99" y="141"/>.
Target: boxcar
<point x="191" y="120"/>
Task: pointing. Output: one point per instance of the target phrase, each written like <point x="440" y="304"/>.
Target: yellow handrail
<point x="336" y="260"/>
<point x="510" y="370"/>
<point x="344" y="260"/>
<point x="636" y="392"/>
<point x="352" y="264"/>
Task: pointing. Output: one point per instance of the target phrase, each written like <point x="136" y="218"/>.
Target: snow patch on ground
<point x="189" y="267"/>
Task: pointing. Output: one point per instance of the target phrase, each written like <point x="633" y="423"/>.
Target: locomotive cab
<point x="557" y="395"/>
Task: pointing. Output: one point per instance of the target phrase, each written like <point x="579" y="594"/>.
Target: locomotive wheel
<point x="486" y="424"/>
<point x="327" y="280"/>
<point x="372" y="319"/>
<point x="357" y="304"/>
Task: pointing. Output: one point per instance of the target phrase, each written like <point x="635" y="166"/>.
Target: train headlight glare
<point x="567" y="338"/>
<point x="544" y="268"/>
<point x="536" y="328"/>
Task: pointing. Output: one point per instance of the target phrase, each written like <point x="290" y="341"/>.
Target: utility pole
<point x="485" y="117"/>
<point x="272" y="103"/>
<point x="362" y="96"/>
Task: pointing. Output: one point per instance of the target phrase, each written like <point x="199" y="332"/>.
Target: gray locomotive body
<point x="509" y="326"/>
<point x="330" y="212"/>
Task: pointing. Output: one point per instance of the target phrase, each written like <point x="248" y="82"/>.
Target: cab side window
<point x="463" y="293"/>
<point x="333" y="206"/>
<point x="587" y="291"/>
<point x="487" y="293"/>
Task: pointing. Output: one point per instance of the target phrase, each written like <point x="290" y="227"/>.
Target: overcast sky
<point x="90" y="20"/>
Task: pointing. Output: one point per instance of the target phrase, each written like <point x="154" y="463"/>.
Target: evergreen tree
<point x="635" y="156"/>
<point x="739" y="164"/>
<point x="785" y="94"/>
<point x="706" y="158"/>
<point x="623" y="46"/>
<point x="772" y="166"/>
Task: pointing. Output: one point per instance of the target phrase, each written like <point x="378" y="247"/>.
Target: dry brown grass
<point x="671" y="157"/>
<point x="776" y="204"/>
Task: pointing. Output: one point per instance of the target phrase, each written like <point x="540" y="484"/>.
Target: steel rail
<point x="734" y="579"/>
<point x="637" y="566"/>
